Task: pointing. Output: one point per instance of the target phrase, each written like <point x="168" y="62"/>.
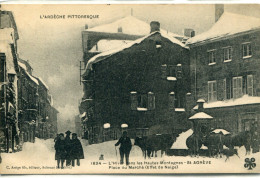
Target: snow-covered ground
<point x="38" y="158"/>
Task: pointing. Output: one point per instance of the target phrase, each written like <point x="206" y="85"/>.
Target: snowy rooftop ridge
<point x="107" y="45"/>
<point x="46" y="86"/>
<point x="6" y="35"/>
<point x="200" y="115"/>
<point x="25" y="70"/>
<point x="130" y="25"/>
<point x="103" y="55"/>
<point x="233" y="102"/>
<point x="228" y="24"/>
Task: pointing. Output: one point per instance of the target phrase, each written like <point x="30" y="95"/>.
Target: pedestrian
<point x="76" y="150"/>
<point x="125" y="148"/>
<point x="68" y="148"/>
<point x="56" y="138"/>
<point x="60" y="154"/>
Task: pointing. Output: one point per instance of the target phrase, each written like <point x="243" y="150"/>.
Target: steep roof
<point x="228" y="24"/>
<point x="130" y="25"/>
<point x="23" y="66"/>
<point x="103" y="55"/>
<point x="106" y="45"/>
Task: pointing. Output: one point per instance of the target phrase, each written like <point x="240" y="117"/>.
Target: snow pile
<point x="201" y="115"/>
<point x="171" y="78"/>
<point x="106" y="45"/>
<point x="180" y="142"/>
<point x="130" y="25"/>
<point x="106" y="54"/>
<point x="228" y="24"/>
<point x="223" y="131"/>
<point x="232" y="102"/>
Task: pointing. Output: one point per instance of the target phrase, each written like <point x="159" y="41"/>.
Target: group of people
<point x="69" y="149"/>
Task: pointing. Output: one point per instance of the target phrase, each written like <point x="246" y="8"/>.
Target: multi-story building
<point x="224" y="67"/>
<point x="141" y="87"/>
<point x="8" y="78"/>
<point x="27" y="102"/>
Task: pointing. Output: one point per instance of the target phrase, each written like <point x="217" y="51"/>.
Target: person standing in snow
<point x="60" y="154"/>
<point x="68" y="148"/>
<point x="125" y="148"/>
<point x="76" y="150"/>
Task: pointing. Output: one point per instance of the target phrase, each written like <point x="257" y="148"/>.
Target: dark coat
<point x="60" y="149"/>
<point x="126" y="144"/>
<point x="76" y="149"/>
<point x="67" y="146"/>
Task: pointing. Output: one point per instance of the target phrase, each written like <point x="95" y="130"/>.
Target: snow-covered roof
<point x="25" y="70"/>
<point x="200" y="115"/>
<point x="6" y="35"/>
<point x="103" y="55"/>
<point x="106" y="45"/>
<point x="130" y="25"/>
<point x="228" y="24"/>
<point x="245" y="100"/>
<point x="46" y="86"/>
<point x="5" y="41"/>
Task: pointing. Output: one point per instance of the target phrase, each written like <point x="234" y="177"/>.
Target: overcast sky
<point x="53" y="47"/>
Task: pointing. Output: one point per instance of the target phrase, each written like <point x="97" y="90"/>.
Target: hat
<point x="68" y="132"/>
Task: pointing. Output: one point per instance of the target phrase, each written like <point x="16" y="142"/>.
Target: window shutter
<point x="171" y="100"/>
<point x="245" y="85"/>
<point x="151" y="101"/>
<point x="133" y="100"/>
<point x="164" y="71"/>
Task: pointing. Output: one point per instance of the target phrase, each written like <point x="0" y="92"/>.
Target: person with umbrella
<point x="125" y="148"/>
<point x="76" y="150"/>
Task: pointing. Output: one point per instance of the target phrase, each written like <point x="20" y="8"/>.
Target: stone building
<point x="138" y="87"/>
<point x="224" y="67"/>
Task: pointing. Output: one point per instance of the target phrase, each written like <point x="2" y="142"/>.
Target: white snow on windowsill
<point x="229" y="60"/>
<point x="213" y="63"/>
<point x="233" y="102"/>
<point x="180" y="109"/>
<point x="171" y="78"/>
<point x="246" y="57"/>
<point x="141" y="109"/>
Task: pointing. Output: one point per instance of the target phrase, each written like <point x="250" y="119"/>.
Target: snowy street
<point x="39" y="157"/>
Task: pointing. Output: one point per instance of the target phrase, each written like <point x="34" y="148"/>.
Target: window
<point x="142" y="101"/>
<point x="246" y="50"/>
<point x="237" y="87"/>
<point x="171" y="71"/>
<point x="212" y="91"/>
<point x="250" y="85"/>
<point x="227" y="54"/>
<point x="212" y="56"/>
<point x="151" y="101"/>
<point x="224" y="89"/>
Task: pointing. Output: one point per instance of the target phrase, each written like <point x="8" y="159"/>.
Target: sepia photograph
<point x="129" y="88"/>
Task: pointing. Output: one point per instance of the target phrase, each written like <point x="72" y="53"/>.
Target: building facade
<point x="137" y="88"/>
<point x="225" y="72"/>
<point x="8" y="78"/>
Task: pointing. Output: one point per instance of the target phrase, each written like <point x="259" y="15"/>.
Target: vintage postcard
<point x="129" y="88"/>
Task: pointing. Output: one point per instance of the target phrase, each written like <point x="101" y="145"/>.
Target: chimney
<point x="200" y="103"/>
<point x="188" y="32"/>
<point x="155" y="26"/>
<point x="219" y="10"/>
<point x="86" y="26"/>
